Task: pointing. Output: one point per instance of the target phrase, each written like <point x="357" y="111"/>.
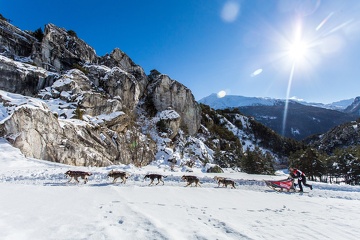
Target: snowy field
<point x="36" y="202"/>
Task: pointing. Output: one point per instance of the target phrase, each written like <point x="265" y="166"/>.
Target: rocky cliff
<point x="89" y="110"/>
<point x="15" y="42"/>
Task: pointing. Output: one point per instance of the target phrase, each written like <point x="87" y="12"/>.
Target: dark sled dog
<point x="225" y="182"/>
<point x="152" y="176"/>
<point x="190" y="180"/>
<point x="118" y="174"/>
<point x="77" y="174"/>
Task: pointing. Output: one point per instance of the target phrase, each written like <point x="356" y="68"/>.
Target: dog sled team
<point x="189" y="179"/>
<point x="279" y="185"/>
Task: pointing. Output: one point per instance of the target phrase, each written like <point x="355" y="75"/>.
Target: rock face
<point x="39" y="134"/>
<point x="21" y="78"/>
<point x="126" y="79"/>
<point x="14" y="42"/>
<point x="62" y="50"/>
<point x="76" y="88"/>
<point x="120" y="84"/>
<point x="82" y="109"/>
<point x="165" y="92"/>
<point x="170" y="122"/>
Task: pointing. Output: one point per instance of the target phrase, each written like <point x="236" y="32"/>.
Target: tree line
<point x="343" y="165"/>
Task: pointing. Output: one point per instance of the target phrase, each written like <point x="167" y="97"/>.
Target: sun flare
<point x="221" y="94"/>
<point x="298" y="50"/>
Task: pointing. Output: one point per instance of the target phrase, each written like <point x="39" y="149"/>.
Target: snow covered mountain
<point x="234" y="101"/>
<point x="354" y="107"/>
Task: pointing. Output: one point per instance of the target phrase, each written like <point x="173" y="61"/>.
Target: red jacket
<point x="298" y="174"/>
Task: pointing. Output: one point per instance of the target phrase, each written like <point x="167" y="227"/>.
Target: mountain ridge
<point x="230" y="101"/>
<point x="302" y="119"/>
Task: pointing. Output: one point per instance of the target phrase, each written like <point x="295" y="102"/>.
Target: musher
<point x="296" y="173"/>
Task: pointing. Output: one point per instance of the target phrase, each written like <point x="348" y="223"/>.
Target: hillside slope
<point x="303" y="119"/>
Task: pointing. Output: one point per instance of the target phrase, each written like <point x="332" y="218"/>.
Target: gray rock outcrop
<point x="165" y="92"/>
<point x="62" y="51"/>
<point x="21" y="78"/>
<point x="39" y="134"/>
<point x="15" y="42"/>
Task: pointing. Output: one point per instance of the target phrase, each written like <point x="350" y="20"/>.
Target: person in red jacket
<point x="296" y="173"/>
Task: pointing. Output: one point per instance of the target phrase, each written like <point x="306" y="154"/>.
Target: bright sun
<point x="298" y="50"/>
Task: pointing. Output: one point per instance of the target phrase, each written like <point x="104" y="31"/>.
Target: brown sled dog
<point x="152" y="177"/>
<point x="76" y="174"/>
<point x="225" y="182"/>
<point x="218" y="179"/>
<point x="118" y="174"/>
<point x="190" y="180"/>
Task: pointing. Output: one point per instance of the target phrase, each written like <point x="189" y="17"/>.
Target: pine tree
<point x="38" y="34"/>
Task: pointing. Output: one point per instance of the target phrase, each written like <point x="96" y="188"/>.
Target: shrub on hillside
<point x="72" y="33"/>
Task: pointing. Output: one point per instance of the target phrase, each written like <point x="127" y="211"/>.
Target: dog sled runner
<point x="281" y="185"/>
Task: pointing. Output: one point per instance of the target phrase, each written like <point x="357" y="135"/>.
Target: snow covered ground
<point x="36" y="202"/>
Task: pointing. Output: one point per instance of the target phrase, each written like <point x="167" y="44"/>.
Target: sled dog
<point x="153" y="176"/>
<point x="225" y="182"/>
<point x="217" y="179"/>
<point x="118" y="174"/>
<point x="190" y="180"/>
<point x="76" y="174"/>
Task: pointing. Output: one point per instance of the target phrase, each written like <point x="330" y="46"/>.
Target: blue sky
<point x="307" y="49"/>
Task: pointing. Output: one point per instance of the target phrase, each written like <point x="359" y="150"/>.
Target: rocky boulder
<point x="169" y="122"/>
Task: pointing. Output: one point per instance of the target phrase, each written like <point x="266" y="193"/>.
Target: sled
<point x="281" y="185"/>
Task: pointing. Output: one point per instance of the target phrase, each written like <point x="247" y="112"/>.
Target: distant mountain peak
<point x="354" y="107"/>
<point x="232" y="101"/>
